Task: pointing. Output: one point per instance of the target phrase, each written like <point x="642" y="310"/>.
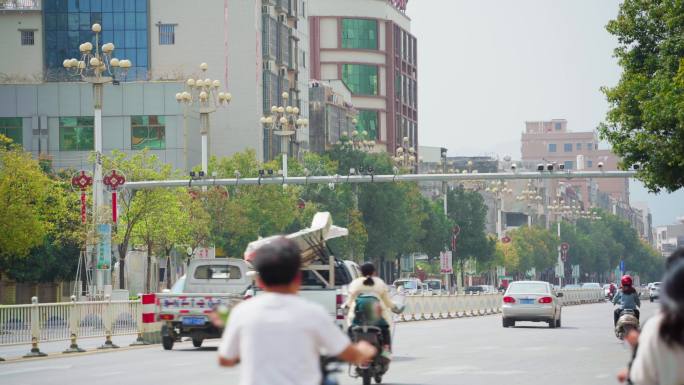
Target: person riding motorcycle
<point x="364" y="293"/>
<point x="611" y="291"/>
<point x="626" y="299"/>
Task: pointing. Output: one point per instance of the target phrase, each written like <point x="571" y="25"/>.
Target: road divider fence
<point x="431" y="307"/>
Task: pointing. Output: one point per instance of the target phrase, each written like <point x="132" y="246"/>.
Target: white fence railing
<point x="57" y="321"/>
<point x="429" y="307"/>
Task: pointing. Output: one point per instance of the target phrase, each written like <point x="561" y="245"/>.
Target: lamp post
<point x="97" y="66"/>
<point x="499" y="190"/>
<point x="284" y="121"/>
<point x="531" y="197"/>
<point x="445" y="185"/>
<point x="358" y="139"/>
<point x="205" y="94"/>
<point x="405" y="154"/>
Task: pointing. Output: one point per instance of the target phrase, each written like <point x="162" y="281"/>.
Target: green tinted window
<point x="362" y="79"/>
<point x="148" y="132"/>
<point x="76" y="134"/>
<point x="11" y="128"/>
<point x="368" y="121"/>
<point x="359" y="33"/>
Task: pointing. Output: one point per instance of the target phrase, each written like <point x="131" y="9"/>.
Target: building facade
<point x="331" y="114"/>
<point x="551" y="142"/>
<point x="257" y="49"/>
<point x="368" y="45"/>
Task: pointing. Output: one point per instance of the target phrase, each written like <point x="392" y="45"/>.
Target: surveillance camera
<point x="636" y="167"/>
<point x="270" y="172"/>
<point x="549" y="167"/>
<point x="540" y="167"/>
<point x="371" y="170"/>
<point x="192" y="174"/>
<point x="514" y="166"/>
<point x="600" y="165"/>
<point x="561" y="167"/>
<point x="352" y="171"/>
<point x="261" y="172"/>
<point x="201" y="174"/>
<point x="362" y="170"/>
<point x="237" y="173"/>
<point x="214" y="174"/>
<point x="331" y="185"/>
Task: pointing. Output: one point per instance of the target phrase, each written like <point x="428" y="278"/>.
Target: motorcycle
<point x="627" y="322"/>
<point x="364" y="330"/>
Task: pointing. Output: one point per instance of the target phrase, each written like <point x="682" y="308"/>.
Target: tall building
<point x="256" y="48"/>
<point x="551" y="142"/>
<point x="368" y="45"/>
<point x="331" y="114"/>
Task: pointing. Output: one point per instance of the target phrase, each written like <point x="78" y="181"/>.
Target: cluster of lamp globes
<point x="359" y="137"/>
<point x="499" y="187"/>
<point x="575" y="209"/>
<point x="99" y="64"/>
<point x="206" y="88"/>
<point x="529" y="194"/>
<point x="278" y="114"/>
<point x="402" y="152"/>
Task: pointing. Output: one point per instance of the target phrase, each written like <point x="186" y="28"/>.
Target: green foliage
<point x="645" y="123"/>
<point x="467" y="209"/>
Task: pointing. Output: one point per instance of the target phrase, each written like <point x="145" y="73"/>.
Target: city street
<point x="465" y="351"/>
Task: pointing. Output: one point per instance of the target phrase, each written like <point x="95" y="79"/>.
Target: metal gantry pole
<point x="341" y="179"/>
<point x="204" y="131"/>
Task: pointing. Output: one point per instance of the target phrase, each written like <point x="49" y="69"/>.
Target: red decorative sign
<point x="454" y="236"/>
<point x="81" y="181"/>
<point x="564" y="251"/>
<point x="113" y="181"/>
<point x="506" y="239"/>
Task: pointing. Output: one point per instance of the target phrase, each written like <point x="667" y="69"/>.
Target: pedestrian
<point x="278" y="337"/>
<point x="660" y="358"/>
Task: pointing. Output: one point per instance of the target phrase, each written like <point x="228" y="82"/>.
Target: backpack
<point x="367" y="310"/>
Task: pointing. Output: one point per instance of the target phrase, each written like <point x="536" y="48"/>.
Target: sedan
<point x="654" y="291"/>
<point x="534" y="301"/>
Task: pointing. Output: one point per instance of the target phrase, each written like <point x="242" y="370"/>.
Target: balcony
<point x="19" y="5"/>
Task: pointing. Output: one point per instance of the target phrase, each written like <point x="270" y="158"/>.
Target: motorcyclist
<point x="626" y="299"/>
<point x="611" y="290"/>
<point x="365" y="291"/>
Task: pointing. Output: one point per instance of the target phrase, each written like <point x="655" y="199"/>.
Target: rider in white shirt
<point x="278" y="337"/>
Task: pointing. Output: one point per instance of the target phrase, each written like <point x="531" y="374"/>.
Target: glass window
<point x="27" y="38"/>
<point x="567" y="147"/>
<point x="368" y="121"/>
<point x="359" y="33"/>
<point x="558" y="126"/>
<point x="528" y="288"/>
<point x="568" y="164"/>
<point x="578" y="146"/>
<point x="362" y="79"/>
<point x="590" y="146"/>
<point x="552" y="147"/>
<point x="590" y="164"/>
<point x="11" y="128"/>
<point x="217" y="272"/>
<point x="148" y="132"/>
<point x="76" y="134"/>
<point x="167" y="34"/>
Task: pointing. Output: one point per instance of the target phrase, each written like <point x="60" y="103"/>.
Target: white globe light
<point x="199" y="83"/>
<point x="355" y="133"/>
<point x="221" y="95"/>
<point x="95" y="62"/>
<point x="97" y="28"/>
<point x="274" y="109"/>
<point x="283" y="120"/>
<point x="66" y="63"/>
<point x="88" y="46"/>
<point x="82" y="47"/>
<point x="190" y="82"/>
<point x="263" y="120"/>
<point x="203" y="95"/>
<point x="81" y="64"/>
<point x="269" y="120"/>
<point x="285" y="95"/>
<point x="295" y="110"/>
<point x="179" y="97"/>
<point x="204" y="66"/>
<point x="288" y="109"/>
<point x="216" y="84"/>
<point x="125" y="63"/>
<point x="187" y="96"/>
<point x="228" y="96"/>
<point x="207" y="82"/>
<point x="281" y="109"/>
<point x="73" y="62"/>
<point x="299" y="122"/>
<point x="114" y="62"/>
<point x="406" y="139"/>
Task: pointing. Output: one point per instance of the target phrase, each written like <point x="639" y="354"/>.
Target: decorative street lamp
<point x="405" y="155"/>
<point x="284" y="121"/>
<point x="499" y="190"/>
<point x="205" y="94"/>
<point x="359" y="139"/>
<point x="97" y="66"/>
<point x="531" y="197"/>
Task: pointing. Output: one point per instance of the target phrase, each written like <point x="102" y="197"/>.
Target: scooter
<point x="627" y="322"/>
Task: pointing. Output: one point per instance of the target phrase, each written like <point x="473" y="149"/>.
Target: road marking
<point x="31" y="370"/>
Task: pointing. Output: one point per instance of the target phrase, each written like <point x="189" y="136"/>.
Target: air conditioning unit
<point x="265" y="10"/>
<point x="283" y="71"/>
<point x="269" y="65"/>
<point x="282" y="18"/>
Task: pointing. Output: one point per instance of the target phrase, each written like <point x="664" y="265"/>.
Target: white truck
<point x="187" y="310"/>
<point x="209" y="284"/>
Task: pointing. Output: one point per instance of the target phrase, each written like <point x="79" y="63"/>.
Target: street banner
<point x="104" y="246"/>
<point x="446" y="262"/>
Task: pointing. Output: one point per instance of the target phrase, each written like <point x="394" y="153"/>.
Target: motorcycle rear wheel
<point x="366" y="376"/>
<point x="377" y="378"/>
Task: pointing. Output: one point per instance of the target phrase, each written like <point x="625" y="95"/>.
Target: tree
<point x="467" y="209"/>
<point x="134" y="205"/>
<point x="24" y="192"/>
<point x="645" y="123"/>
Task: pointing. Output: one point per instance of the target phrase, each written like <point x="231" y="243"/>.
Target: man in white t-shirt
<point x="278" y="337"/>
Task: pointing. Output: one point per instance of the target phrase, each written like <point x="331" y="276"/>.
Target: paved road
<point x="466" y="351"/>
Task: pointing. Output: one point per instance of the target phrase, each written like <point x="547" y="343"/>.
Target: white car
<point x="654" y="291"/>
<point x="534" y="301"/>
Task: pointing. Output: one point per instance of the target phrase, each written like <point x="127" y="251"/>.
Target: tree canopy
<point x="645" y="123"/>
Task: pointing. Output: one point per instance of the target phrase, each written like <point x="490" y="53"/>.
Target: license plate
<point x="526" y="301"/>
<point x="194" y="321"/>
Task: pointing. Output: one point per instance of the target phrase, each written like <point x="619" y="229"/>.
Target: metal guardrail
<point x="430" y="307"/>
<point x="19" y="324"/>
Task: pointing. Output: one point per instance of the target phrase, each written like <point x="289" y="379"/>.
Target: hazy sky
<point x="487" y="66"/>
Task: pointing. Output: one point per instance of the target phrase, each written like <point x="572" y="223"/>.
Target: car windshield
<point x="474" y="288"/>
<point x="591" y="285"/>
<point x="528" y="288"/>
<point x="177" y="287"/>
<point x="434" y="285"/>
<point x="407" y="284"/>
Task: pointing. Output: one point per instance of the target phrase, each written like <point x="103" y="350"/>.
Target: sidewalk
<point x="91" y="343"/>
